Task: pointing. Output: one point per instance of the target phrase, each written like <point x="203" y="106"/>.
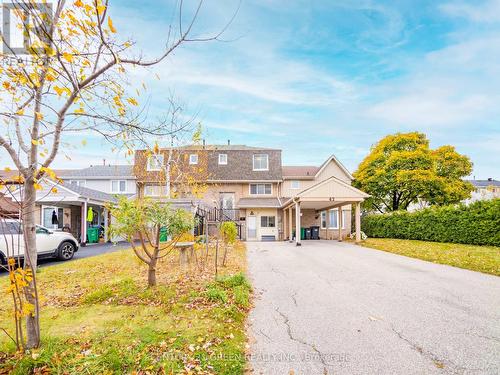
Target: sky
<point x="316" y="78"/>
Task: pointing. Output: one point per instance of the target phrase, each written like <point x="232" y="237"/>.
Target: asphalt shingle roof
<point x="299" y="170"/>
<point x="484" y="183"/>
<point x="99" y="171"/>
<point x="91" y="193"/>
<point x="258" y="202"/>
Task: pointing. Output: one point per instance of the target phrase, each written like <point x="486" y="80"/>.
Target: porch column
<point x="106" y="224"/>
<point x="358" y="222"/>
<point x="285" y="230"/>
<point x="84" y="224"/>
<point x="341" y="222"/>
<point x="297" y="223"/>
<point x="290" y="223"/>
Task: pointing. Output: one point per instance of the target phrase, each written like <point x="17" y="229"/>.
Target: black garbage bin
<point x="315" y="233"/>
<point x="308" y="234"/>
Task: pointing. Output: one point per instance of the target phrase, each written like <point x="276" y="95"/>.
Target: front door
<point x="252" y="227"/>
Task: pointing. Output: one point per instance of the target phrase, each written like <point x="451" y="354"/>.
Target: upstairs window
<point x="155" y="162"/>
<point x="193" y="159"/>
<point x="118" y="186"/>
<point x="261" y="189"/>
<point x="295" y="184"/>
<point x="261" y="162"/>
<point x="78" y="182"/>
<point x="222" y="159"/>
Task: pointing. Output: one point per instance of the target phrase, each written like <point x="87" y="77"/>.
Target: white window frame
<point x="193" y="159"/>
<point x="223" y="162"/>
<point x="267" y="221"/>
<point x="297" y="184"/>
<point x="260" y="183"/>
<point x="267" y="162"/>
<point x="159" y="160"/>
<point x="118" y="191"/>
<point x="158" y="188"/>
<point x="343" y="218"/>
<point x="323" y="221"/>
<point x="336" y="210"/>
<point x="81" y="183"/>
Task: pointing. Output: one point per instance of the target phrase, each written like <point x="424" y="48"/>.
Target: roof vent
<point x="228" y="142"/>
<point x="490" y="179"/>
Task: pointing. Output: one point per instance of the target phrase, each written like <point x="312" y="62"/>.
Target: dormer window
<point x="155" y="162"/>
<point x="261" y="162"/>
<point x="222" y="159"/>
<point x="193" y="159"/>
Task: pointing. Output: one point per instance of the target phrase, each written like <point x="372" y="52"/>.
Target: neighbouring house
<point x="484" y="190"/>
<point x="66" y="204"/>
<point x="250" y="186"/>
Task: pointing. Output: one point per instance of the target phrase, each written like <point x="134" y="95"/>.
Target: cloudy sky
<point x="320" y="77"/>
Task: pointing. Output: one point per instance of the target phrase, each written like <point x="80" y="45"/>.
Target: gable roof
<point x="90" y="193"/>
<point x="300" y="171"/>
<point x="99" y="171"/>
<point x="484" y="183"/>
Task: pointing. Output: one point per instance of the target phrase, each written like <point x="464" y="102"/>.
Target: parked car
<point x="49" y="243"/>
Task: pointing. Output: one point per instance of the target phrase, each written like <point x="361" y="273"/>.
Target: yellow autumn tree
<point x="69" y="77"/>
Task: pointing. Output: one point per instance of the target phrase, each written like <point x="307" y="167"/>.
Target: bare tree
<point x="71" y="79"/>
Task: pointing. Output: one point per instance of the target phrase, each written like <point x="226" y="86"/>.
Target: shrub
<point x="476" y="224"/>
<point x="215" y="293"/>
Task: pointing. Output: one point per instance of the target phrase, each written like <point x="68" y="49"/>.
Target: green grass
<point x="98" y="316"/>
<point x="484" y="259"/>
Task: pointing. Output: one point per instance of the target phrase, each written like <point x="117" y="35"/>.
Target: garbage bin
<point x="92" y="235"/>
<point x="307" y="233"/>
<point x="302" y="233"/>
<point x="163" y="234"/>
<point x="314" y="233"/>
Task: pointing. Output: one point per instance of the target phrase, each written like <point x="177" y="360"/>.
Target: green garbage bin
<point x="92" y="235"/>
<point x="163" y="234"/>
<point x="302" y="233"/>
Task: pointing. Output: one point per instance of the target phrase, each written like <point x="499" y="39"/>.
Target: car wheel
<point x="66" y="251"/>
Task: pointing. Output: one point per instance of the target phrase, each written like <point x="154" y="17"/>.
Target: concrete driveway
<point x="337" y="308"/>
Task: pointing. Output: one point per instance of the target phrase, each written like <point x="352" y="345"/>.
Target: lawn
<point x="476" y="258"/>
<point x="98" y="316"/>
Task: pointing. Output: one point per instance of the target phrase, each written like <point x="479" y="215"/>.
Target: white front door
<point x="252" y="227"/>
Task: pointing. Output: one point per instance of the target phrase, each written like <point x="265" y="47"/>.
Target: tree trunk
<point x="30" y="261"/>
<point x="152" y="269"/>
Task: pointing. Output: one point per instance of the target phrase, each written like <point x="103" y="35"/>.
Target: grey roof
<point x="299" y="171"/>
<point x="224" y="147"/>
<point x="239" y="165"/>
<point x="99" y="171"/>
<point x="91" y="193"/>
<point x="259" y="202"/>
<point x="484" y="183"/>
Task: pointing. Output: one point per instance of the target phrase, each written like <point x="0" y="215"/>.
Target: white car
<point x="61" y="245"/>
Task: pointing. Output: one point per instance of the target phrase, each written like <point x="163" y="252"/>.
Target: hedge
<point x="475" y="224"/>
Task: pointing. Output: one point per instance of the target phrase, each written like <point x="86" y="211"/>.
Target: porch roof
<point x="327" y="193"/>
<point x="259" y="203"/>
<point x="67" y="194"/>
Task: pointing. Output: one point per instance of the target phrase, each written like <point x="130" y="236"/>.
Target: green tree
<point x="143" y="220"/>
<point x="402" y="169"/>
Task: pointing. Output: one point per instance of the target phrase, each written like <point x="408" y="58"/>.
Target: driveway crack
<point x="286" y="320"/>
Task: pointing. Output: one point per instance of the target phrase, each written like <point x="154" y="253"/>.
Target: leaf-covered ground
<point x="99" y="317"/>
<point x="476" y="258"/>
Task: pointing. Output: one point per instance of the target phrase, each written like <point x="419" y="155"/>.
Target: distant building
<point x="484" y="190"/>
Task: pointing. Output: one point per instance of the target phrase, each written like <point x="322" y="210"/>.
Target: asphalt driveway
<point x="337" y="308"/>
